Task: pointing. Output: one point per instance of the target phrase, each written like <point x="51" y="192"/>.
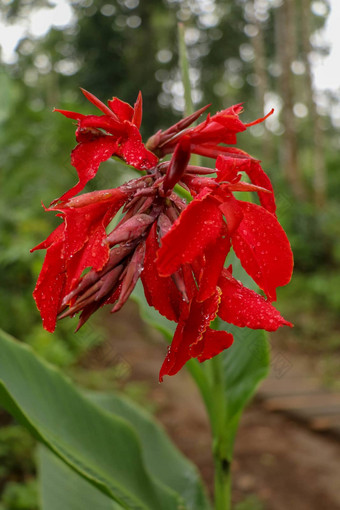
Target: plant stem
<point x="184" y="66"/>
<point x="218" y="423"/>
<point x="222" y="485"/>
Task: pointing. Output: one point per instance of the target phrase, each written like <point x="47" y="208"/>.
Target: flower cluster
<point x="178" y="249"/>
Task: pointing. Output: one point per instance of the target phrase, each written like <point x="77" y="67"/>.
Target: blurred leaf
<point x="20" y="496"/>
<point x="101" y="447"/>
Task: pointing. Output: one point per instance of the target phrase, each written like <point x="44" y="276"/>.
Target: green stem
<point x="219" y="431"/>
<point x="184" y="66"/>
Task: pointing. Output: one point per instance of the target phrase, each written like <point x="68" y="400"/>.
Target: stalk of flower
<point x="178" y="249"/>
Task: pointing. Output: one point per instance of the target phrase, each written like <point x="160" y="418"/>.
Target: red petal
<point x="109" y="124"/>
<point x="160" y="292"/>
<point x="189" y="333"/>
<point x="232" y="213"/>
<point x="245" y="308"/>
<point x="94" y="100"/>
<point x="215" y="255"/>
<point x="213" y="342"/>
<point x="70" y="115"/>
<point x="227" y="169"/>
<point x="86" y="158"/>
<point x="198" y="225"/>
<point x="85" y="231"/>
<point x="133" y="151"/>
<point x="123" y="110"/>
<point x="257" y="176"/>
<point x="57" y="234"/>
<point x="263" y="248"/>
<point x="48" y="292"/>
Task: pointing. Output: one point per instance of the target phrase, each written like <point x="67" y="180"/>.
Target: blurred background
<point x="263" y="53"/>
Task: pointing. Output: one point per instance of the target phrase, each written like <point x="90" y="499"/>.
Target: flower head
<point x="178" y="249"/>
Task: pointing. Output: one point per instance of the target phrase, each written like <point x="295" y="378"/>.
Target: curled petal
<point x="263" y="248"/>
<point x="245" y="308"/>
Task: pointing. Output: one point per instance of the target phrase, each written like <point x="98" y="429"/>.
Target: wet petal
<point x="86" y="158"/>
<point x="160" y="292"/>
<point x="48" y="292"/>
<point x="232" y="212"/>
<point x="215" y="255"/>
<point x="198" y="225"/>
<point x="257" y="176"/>
<point x="190" y="331"/>
<point x="132" y="150"/>
<point x="213" y="342"/>
<point x="245" y="308"/>
<point x="263" y="248"/>
<point x="227" y="169"/>
<point x="123" y="110"/>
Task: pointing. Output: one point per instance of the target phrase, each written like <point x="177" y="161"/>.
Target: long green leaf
<point x="62" y="488"/>
<point x="163" y="460"/>
<point x="102" y="448"/>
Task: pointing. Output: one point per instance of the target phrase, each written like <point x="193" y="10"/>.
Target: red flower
<point x="178" y="249"/>
<point x="121" y="123"/>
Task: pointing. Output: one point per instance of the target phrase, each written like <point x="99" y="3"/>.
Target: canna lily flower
<point x="178" y="249"/>
<point x="116" y="133"/>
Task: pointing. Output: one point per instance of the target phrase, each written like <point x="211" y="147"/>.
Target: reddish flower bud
<point x="178" y="164"/>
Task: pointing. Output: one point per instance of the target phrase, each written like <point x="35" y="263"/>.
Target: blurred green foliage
<point x="17" y="469"/>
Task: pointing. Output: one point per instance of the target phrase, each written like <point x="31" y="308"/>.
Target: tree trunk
<point x="316" y="134"/>
<point x="286" y="52"/>
<point x="260" y="68"/>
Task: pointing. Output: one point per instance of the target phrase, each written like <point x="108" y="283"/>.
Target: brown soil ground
<point x="281" y="462"/>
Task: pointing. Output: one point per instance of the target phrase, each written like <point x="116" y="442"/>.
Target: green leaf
<point x="102" y="448"/>
<point x="61" y="487"/>
<point x="163" y="460"/>
<point x="244" y="365"/>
